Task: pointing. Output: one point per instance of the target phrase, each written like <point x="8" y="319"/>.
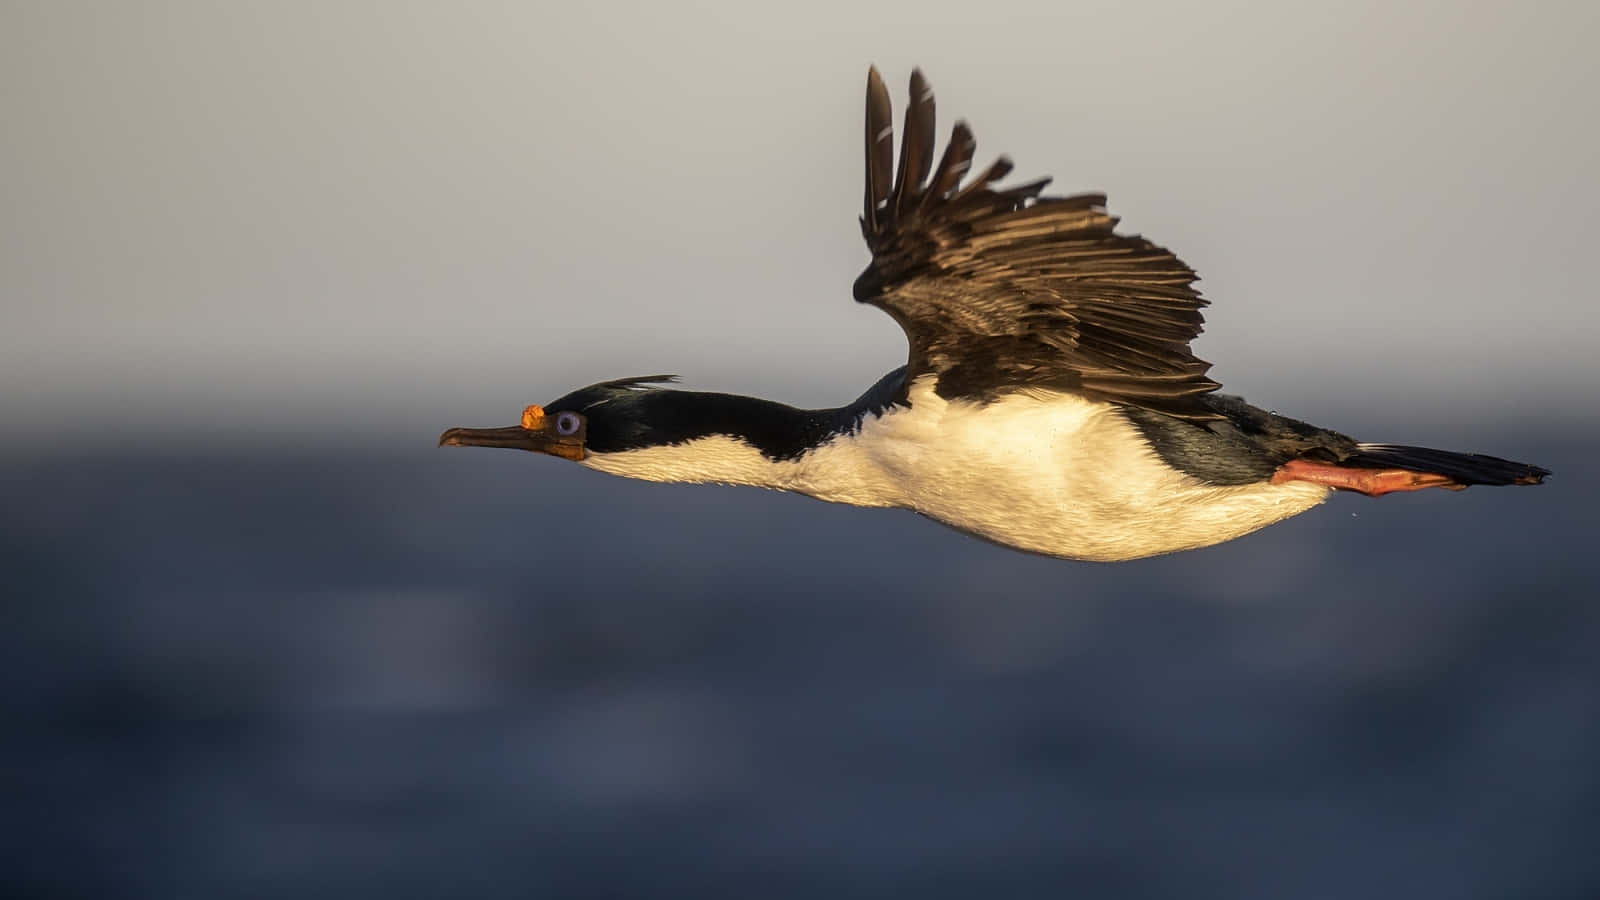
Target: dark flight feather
<point x="1003" y="289"/>
<point x="880" y="148"/>
<point x="953" y="166"/>
<point x="916" y="146"/>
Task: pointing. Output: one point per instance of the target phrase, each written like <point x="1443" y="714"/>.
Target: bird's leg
<point x="1372" y="482"/>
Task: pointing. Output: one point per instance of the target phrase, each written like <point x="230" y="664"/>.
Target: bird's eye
<point x="567" y="424"/>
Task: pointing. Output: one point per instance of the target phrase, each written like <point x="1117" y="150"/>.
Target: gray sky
<point x="273" y="216"/>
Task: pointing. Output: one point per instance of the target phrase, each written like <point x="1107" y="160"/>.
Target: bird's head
<point x="603" y="417"/>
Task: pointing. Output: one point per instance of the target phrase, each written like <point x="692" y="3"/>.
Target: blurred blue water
<point x="433" y="673"/>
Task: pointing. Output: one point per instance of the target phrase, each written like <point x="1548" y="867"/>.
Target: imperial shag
<point x="1050" y="401"/>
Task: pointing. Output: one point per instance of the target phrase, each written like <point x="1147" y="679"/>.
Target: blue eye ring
<point x="568" y="423"/>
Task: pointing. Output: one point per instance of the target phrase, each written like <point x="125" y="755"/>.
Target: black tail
<point x="1462" y="468"/>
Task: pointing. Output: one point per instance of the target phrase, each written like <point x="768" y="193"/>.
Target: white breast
<point x="1052" y="473"/>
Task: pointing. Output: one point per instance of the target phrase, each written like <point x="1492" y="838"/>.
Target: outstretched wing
<point x="1007" y="289"/>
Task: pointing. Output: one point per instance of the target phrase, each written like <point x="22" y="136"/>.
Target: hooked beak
<point x="537" y="433"/>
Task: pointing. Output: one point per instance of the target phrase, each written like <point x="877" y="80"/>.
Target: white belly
<point x="1053" y="474"/>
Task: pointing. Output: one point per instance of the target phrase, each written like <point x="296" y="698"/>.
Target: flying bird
<point x="1050" y="401"/>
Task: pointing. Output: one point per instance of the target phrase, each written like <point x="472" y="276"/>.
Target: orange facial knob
<point x="533" y="418"/>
